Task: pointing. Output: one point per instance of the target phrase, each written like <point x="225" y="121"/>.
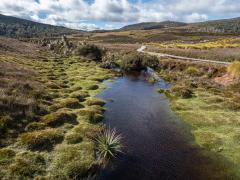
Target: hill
<point x="218" y="26"/>
<point x="16" y="27"/>
<point x="153" y="25"/>
<point x="215" y="26"/>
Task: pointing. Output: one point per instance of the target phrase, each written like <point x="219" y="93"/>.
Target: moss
<point x="27" y="165"/>
<point x="73" y="138"/>
<point x="80" y="95"/>
<point x="72" y="103"/>
<point x="42" y="140"/>
<point x="95" y="101"/>
<point x="59" y="118"/>
<point x="35" y="126"/>
<point x="73" y="161"/>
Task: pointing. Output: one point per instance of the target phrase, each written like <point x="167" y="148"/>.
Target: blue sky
<point x="110" y="14"/>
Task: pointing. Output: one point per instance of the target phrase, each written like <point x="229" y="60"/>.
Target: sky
<point x="112" y="14"/>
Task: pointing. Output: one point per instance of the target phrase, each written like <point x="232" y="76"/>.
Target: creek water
<point x="158" y="145"/>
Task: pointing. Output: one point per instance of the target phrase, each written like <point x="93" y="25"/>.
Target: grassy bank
<point x="212" y="111"/>
<point x="49" y="115"/>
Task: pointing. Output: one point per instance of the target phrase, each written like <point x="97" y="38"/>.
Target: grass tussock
<point x="59" y="118"/>
<point x="42" y="139"/>
<point x="41" y="100"/>
<point x="73" y="161"/>
<point x="234" y="69"/>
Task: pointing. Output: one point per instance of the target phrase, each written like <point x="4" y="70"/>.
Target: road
<point x="142" y="50"/>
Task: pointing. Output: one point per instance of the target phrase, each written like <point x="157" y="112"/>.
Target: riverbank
<point x="213" y="111"/>
<point x="46" y="129"/>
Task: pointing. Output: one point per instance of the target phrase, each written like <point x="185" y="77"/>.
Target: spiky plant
<point x="109" y="144"/>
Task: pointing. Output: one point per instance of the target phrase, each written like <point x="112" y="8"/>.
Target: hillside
<point x="218" y="26"/>
<point x="153" y="25"/>
<point x="16" y="27"/>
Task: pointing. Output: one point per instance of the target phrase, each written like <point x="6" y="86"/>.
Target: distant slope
<point x="16" y="27"/>
<point x="218" y="26"/>
<point x="153" y="25"/>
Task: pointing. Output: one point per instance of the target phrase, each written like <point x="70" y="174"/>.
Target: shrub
<point x="27" y="165"/>
<point x="182" y="91"/>
<point x="234" y="69"/>
<point x="90" y="51"/>
<point x="137" y="62"/>
<point x="192" y="71"/>
<point x="41" y="140"/>
<point x="132" y="62"/>
<point x="95" y="101"/>
<point x="109" y="144"/>
<point x="150" y="61"/>
<point x="59" y="118"/>
<point x="73" y="161"/>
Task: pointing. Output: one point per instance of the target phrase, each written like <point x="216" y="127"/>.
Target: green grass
<point x="60" y="118"/>
<point x="215" y="126"/>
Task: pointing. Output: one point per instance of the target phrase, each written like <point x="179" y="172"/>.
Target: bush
<point x="95" y="101"/>
<point x="59" y="118"/>
<point x="182" y="91"/>
<point x="137" y="62"/>
<point x="27" y="165"/>
<point x="132" y="62"/>
<point x="234" y="69"/>
<point x="90" y="51"/>
<point x="42" y="140"/>
<point x="73" y="161"/>
<point x="192" y="71"/>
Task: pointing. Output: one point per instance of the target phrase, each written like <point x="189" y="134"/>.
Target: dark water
<point x="158" y="145"/>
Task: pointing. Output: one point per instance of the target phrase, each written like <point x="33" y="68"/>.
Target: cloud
<point x="81" y="14"/>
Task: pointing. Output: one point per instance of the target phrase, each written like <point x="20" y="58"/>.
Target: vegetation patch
<point x="26" y="165"/>
<point x="80" y="95"/>
<point x="73" y="161"/>
<point x="95" y="101"/>
<point x="72" y="103"/>
<point x="42" y="140"/>
<point x="59" y="118"/>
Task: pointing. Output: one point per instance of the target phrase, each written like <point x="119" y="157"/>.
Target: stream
<point x="158" y="145"/>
